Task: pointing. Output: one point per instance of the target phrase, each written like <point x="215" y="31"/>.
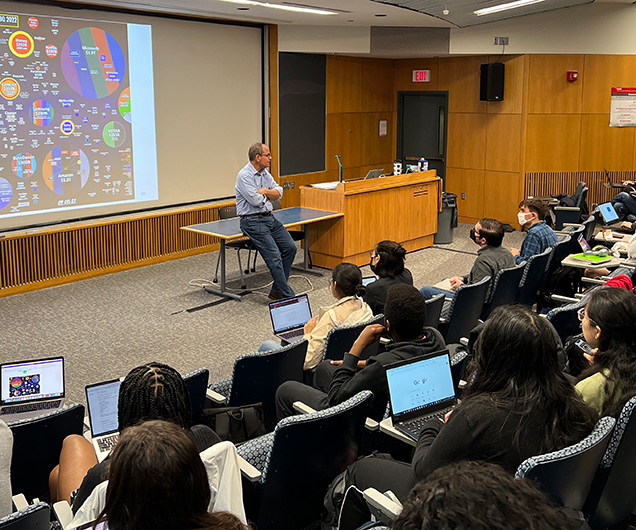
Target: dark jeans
<point x="276" y="246"/>
<point x="291" y="391"/>
<point x="624" y="204"/>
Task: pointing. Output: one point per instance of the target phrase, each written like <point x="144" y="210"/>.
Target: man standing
<point x="540" y="236"/>
<point x="255" y="191"/>
<point x="491" y="258"/>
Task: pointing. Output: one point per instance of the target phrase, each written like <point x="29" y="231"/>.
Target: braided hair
<point x="154" y="391"/>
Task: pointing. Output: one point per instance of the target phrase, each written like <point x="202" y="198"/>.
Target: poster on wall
<point x="623" y="107"/>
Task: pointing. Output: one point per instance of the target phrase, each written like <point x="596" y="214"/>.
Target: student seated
<point x="608" y="326"/>
<point x="337" y="381"/>
<point x="539" y="236"/>
<point x="518" y="404"/>
<point x="157" y="481"/>
<point x="625" y="202"/>
<point x="151" y="391"/>
<point x="346" y="287"/>
<point x="387" y="263"/>
<point x="491" y="258"/>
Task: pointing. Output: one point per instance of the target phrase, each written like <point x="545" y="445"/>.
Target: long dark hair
<point x="348" y="279"/>
<point x="517" y="368"/>
<point x="157" y="481"/>
<point x="613" y="310"/>
<point x="391" y="262"/>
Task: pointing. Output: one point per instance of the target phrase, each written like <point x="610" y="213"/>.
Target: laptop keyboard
<point x="414" y="427"/>
<point x="30" y="407"/>
<point x="107" y="442"/>
<point x="289" y="336"/>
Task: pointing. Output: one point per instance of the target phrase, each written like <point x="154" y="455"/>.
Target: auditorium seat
<point x="34" y="517"/>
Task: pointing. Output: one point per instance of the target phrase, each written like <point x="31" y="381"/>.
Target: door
<point x="422" y="125"/>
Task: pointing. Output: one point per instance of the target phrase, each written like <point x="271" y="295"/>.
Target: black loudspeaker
<point x="492" y="82"/>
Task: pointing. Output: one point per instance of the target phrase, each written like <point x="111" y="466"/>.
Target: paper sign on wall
<point x="623" y="107"/>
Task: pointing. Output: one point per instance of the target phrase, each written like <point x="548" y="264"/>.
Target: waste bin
<point x="446" y="219"/>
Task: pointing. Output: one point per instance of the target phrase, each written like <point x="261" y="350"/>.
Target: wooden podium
<point x="401" y="208"/>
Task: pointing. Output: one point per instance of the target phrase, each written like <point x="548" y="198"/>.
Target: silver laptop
<point x="101" y="400"/>
<point x="289" y="317"/>
<point x="374" y="173"/>
<point x="420" y="389"/>
<point x="31" y="388"/>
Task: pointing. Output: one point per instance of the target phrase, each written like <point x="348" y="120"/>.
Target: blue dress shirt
<point x="248" y="199"/>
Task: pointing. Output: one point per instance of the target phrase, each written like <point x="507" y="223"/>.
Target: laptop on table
<point x="289" y="317"/>
<point x="31" y="388"/>
<point x="420" y="389"/>
<point x="101" y="400"/>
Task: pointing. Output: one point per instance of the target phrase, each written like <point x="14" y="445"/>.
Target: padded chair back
<point x="566" y="475"/>
<point x="464" y="311"/>
<point x="6" y="449"/>
<point x="589" y="225"/>
<point x="533" y="278"/>
<point x="37" y="443"/>
<point x="612" y="496"/>
<point x="565" y="318"/>
<point x="560" y="251"/>
<point x="307" y="453"/>
<point x="257" y="376"/>
<point x="34" y="517"/>
<point x="458" y="365"/>
<point x="434" y="308"/>
<point x="339" y="340"/>
<point x="505" y="289"/>
<point x="197" y="383"/>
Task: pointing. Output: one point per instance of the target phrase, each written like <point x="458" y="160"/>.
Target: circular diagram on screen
<point x="41" y="112"/>
<point x="65" y="169"/>
<point x="93" y="63"/>
<point x="6" y="193"/>
<point x="23" y="165"/>
<point x="114" y="134"/>
<point x="124" y="105"/>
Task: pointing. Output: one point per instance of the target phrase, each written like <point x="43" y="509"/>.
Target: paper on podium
<point x="325" y="185"/>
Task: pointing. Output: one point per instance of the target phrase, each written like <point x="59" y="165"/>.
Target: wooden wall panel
<point x="376" y="149"/>
<point x="502" y="194"/>
<point x="552" y="142"/>
<point x="460" y="76"/>
<point x="273" y="100"/>
<point x="503" y="142"/>
<point x="344" y="135"/>
<point x="513" y="85"/>
<point x="403" y="74"/>
<point x="603" y="146"/>
<point x="602" y="72"/>
<point x="466" y="140"/>
<point x="549" y="90"/>
<point x="471" y="184"/>
<point x="377" y="85"/>
<point x="344" y="84"/>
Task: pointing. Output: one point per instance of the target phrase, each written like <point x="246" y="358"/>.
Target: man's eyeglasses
<point x="268" y="155"/>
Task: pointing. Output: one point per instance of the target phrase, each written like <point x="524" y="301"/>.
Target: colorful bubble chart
<point x="93" y="63"/>
<point x="114" y="134"/>
<point x="9" y="88"/>
<point x="6" y="193"/>
<point x="21" y="44"/>
<point x="41" y="112"/>
<point x="65" y="169"/>
<point x="23" y="165"/>
<point x="124" y="105"/>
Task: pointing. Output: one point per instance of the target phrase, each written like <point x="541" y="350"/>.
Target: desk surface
<point x="230" y="228"/>
<point x="581" y="264"/>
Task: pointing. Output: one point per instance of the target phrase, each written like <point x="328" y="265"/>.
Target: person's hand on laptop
<point x="311" y="324"/>
<point x="369" y="335"/>
<point x="447" y="415"/>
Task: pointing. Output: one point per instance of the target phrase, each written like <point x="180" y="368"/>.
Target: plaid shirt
<point x="538" y="238"/>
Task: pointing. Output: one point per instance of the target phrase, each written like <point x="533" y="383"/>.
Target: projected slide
<point x="77" y="123"/>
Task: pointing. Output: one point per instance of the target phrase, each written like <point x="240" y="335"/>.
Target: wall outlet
<point x="500" y="41"/>
<point x="289" y="185"/>
<point x="463" y="196"/>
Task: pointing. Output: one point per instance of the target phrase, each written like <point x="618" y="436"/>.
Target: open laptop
<point x="611" y="219"/>
<point x="374" y="173"/>
<point x="368" y="279"/>
<point x="101" y="400"/>
<point x="30" y="388"/>
<point x="420" y="389"/>
<point x="289" y="317"/>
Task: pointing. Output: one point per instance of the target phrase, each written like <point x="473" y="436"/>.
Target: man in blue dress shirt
<point x="255" y="191"/>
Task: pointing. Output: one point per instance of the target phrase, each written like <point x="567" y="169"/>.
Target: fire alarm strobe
<point x="573" y="75"/>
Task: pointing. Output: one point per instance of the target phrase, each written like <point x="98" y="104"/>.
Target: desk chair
<point x="37" y="443"/>
<point x="533" y="278"/>
<point x="434" y="307"/>
<point x="257" y="376"/>
<point x="197" y="383"/>
<point x="566" y="476"/>
<point x="339" y="340"/>
<point x="505" y="289"/>
<point x="298" y="461"/>
<point x="34" y="517"/>
<point x="464" y="311"/>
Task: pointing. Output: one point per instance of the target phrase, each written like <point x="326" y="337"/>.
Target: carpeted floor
<point x="107" y="325"/>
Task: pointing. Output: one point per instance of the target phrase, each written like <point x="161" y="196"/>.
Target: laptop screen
<point x="290" y="314"/>
<point x="608" y="212"/>
<point x="420" y="384"/>
<point x="102" y="400"/>
<point x="585" y="246"/>
<point x="32" y="380"/>
<point x="368" y="279"/>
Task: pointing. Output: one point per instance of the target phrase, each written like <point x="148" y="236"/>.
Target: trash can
<point x="446" y="219"/>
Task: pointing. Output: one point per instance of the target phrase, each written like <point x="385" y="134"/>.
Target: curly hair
<point x="405" y="309"/>
<point x="478" y="496"/>
<point x="392" y="256"/>
<point x="613" y="310"/>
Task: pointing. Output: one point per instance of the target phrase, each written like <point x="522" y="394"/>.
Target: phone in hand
<point x="584" y="346"/>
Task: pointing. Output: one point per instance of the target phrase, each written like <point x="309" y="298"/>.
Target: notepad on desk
<point x="596" y="260"/>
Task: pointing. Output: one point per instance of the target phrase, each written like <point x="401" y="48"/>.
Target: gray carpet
<point x="107" y="325"/>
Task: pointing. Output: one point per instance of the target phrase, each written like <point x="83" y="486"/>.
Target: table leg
<point x="222" y="291"/>
<point x="305" y="267"/>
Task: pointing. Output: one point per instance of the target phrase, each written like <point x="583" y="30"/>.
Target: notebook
<point x="420" y="389"/>
<point x="289" y="317"/>
<point x="30" y="388"/>
<point x="101" y="400"/>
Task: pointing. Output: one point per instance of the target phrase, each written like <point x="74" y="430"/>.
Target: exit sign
<point x="421" y="76"/>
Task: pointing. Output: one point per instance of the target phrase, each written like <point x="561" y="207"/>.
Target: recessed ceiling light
<point x="505" y="7"/>
<point x="295" y="9"/>
<point x="242" y="8"/>
<point x="380" y="15"/>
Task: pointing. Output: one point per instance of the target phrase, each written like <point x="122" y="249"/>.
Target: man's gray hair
<point x="255" y="149"/>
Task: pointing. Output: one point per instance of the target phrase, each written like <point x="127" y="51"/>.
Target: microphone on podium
<point x="339" y="168"/>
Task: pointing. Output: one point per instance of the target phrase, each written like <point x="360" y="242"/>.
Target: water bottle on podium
<point x="422" y="164"/>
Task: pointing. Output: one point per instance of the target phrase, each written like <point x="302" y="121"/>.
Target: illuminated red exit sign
<point x="421" y="76"/>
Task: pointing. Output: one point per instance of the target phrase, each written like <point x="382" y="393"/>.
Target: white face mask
<point x="522" y="218"/>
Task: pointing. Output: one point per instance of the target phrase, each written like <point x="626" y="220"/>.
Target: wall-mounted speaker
<point x="491" y="87"/>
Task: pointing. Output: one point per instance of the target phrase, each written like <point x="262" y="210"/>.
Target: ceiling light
<point x="505" y="7"/>
<point x="295" y="9"/>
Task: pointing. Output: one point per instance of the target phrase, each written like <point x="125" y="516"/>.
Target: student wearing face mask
<point x="491" y="257"/>
<point x="540" y="236"/>
<point x="387" y="263"/>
